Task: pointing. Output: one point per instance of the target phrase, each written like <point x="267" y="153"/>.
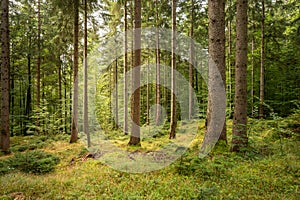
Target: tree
<point x="157" y="57"/>
<point x="74" y="129"/>
<point x="216" y="29"/>
<point x="85" y="76"/>
<point x="125" y="71"/>
<point x="135" y="103"/>
<point x="191" y="73"/>
<point x="5" y="135"/>
<point x="262" y="63"/>
<point x="239" y="129"/>
<point x="173" y="122"/>
<point x="38" y="84"/>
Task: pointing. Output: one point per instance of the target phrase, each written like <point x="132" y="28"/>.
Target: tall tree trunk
<point x="125" y="71"/>
<point x="116" y="94"/>
<point x="85" y="77"/>
<point x="262" y="64"/>
<point x="191" y="72"/>
<point x="5" y="135"/>
<point x="74" y="129"/>
<point x="65" y="103"/>
<point x="28" y="95"/>
<point x="173" y="121"/>
<point x="157" y="57"/>
<point x="38" y="84"/>
<point x="60" y="115"/>
<point x="12" y="88"/>
<point x="148" y="91"/>
<point x="252" y="75"/>
<point x="216" y="28"/>
<point x="239" y="130"/>
<point x="135" y="103"/>
<point x="230" y="64"/>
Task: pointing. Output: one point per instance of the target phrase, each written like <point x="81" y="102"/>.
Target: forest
<point x="131" y="99"/>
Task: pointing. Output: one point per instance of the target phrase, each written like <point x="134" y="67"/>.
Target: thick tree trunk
<point x="217" y="55"/>
<point x="239" y="130"/>
<point x="5" y="135"/>
<point x="135" y="103"/>
<point x="74" y="129"/>
<point x="173" y="121"/>
<point x="85" y="77"/>
<point x="262" y="64"/>
<point x="125" y="128"/>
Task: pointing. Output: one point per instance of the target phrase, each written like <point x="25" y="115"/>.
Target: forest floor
<point x="268" y="169"/>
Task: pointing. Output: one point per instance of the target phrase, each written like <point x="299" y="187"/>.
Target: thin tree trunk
<point x="239" y="130"/>
<point x="252" y="75"/>
<point x="60" y="114"/>
<point x="191" y="72"/>
<point x="125" y="71"/>
<point x="38" y="86"/>
<point x="65" y="104"/>
<point x="173" y="121"/>
<point x="116" y="94"/>
<point x="12" y="105"/>
<point x="28" y="95"/>
<point x="158" y="91"/>
<point x="5" y="135"/>
<point x="262" y="64"/>
<point x="148" y="91"/>
<point x="74" y="129"/>
<point x="230" y="63"/>
<point x="85" y="76"/>
<point x="135" y="106"/>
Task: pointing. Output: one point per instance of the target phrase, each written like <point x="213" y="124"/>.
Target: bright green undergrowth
<point x="268" y="169"/>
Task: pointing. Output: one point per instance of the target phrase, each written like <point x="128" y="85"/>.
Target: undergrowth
<point x="268" y="169"/>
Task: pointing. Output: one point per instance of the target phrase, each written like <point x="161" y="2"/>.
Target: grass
<point x="269" y="169"/>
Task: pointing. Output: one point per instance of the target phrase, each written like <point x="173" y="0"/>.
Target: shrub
<point x="36" y="162"/>
<point x="4" y="166"/>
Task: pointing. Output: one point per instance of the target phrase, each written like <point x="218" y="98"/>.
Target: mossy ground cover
<point x="268" y="169"/>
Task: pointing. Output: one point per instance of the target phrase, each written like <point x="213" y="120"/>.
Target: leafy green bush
<point x="36" y="162"/>
<point x="4" y="166"/>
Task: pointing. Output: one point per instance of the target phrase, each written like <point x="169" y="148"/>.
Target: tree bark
<point x="38" y="84"/>
<point x="173" y="121"/>
<point x="74" y="129"/>
<point x="158" y="91"/>
<point x="262" y="64"/>
<point x="116" y="94"/>
<point x="216" y="12"/>
<point x="239" y="130"/>
<point x="135" y="103"/>
<point x="191" y="72"/>
<point x="5" y="135"/>
<point x="125" y="71"/>
<point x="85" y="77"/>
<point x="230" y="63"/>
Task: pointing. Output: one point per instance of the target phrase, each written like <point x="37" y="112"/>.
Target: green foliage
<point x="268" y="169"/>
<point x="36" y="162"/>
<point x="4" y="167"/>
